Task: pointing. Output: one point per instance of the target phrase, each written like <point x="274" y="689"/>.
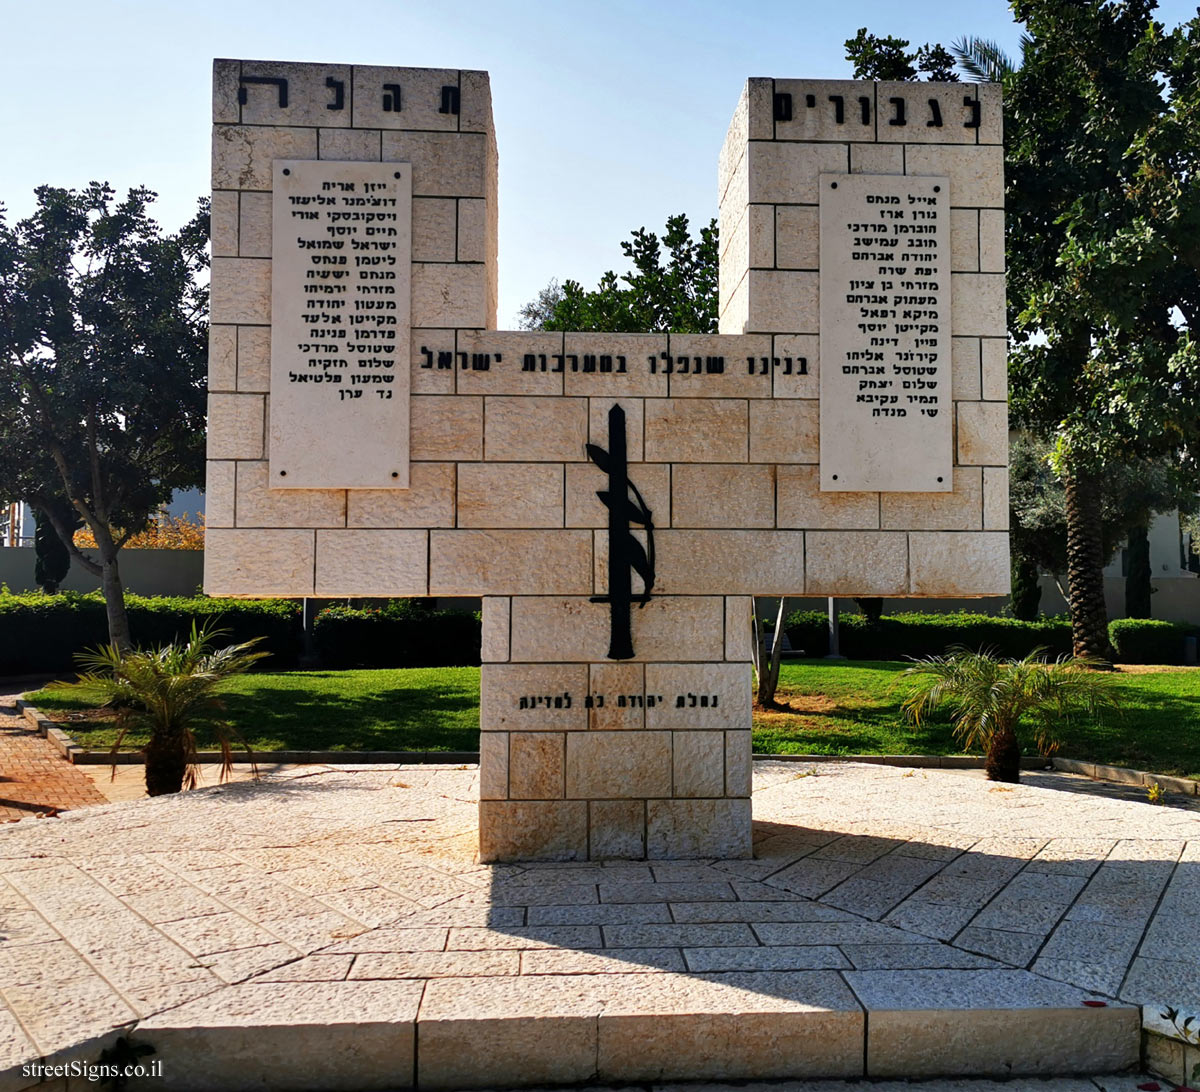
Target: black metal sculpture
<point x="625" y="554"/>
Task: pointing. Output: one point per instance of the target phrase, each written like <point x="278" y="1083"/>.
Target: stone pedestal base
<point x="593" y="758"/>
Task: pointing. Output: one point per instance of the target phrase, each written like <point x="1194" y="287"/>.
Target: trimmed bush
<point x="41" y="633"/>
<point x="1148" y="640"/>
<point x="403" y="633"/>
<point x="899" y="635"/>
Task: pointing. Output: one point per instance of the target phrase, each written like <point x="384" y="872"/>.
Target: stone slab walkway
<point x="330" y="928"/>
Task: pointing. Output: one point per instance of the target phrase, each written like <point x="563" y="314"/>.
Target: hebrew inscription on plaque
<point x="886" y="413"/>
<point x="340" y="299"/>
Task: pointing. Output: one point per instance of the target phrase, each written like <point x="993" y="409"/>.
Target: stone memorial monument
<point x="616" y="499"/>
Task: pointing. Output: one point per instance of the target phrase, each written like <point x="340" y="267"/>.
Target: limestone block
<point x="734" y="317"/>
<point x="739" y="637"/>
<point x="995" y="498"/>
<point x="472" y="230"/>
<point x="449" y="294"/>
<point x="446" y="427"/>
<point x="444" y="164"/>
<point x="235" y="426"/>
<point x="308" y="97"/>
<point x="699" y="763"/>
<point x="510" y="562"/>
<point x="982" y="433"/>
<point x="795" y="236"/>
<point x="243" y="156"/>
<point x="535" y="429"/>
<point x="725" y="685"/>
<point x="991" y="241"/>
<point x="876" y="159"/>
<point x="225" y="88"/>
<point x="529" y="830"/>
<point x="585" y="480"/>
<point x="258" y="563"/>
<point x="254" y="225"/>
<point x="223" y="223"/>
<point x="258" y="505"/>
<point x="617" y="681"/>
<point x="427" y="502"/>
<point x="431" y="361"/>
<point x="733" y="148"/>
<point x="434" y="229"/>
<point x="254" y="358"/>
<point x="995" y="369"/>
<point x="964" y="368"/>
<point x="786" y="431"/>
<point x="960" y="510"/>
<point x="493" y="765"/>
<point x="635" y="427"/>
<point x="800" y="503"/>
<point x="222" y="358"/>
<point x="727" y="1028"/>
<point x="374" y="562"/>
<point x="219" y="494"/>
<point x="535" y="765"/>
<point x="815" y="114"/>
<point x="738" y="764"/>
<point x="977" y="304"/>
<point x="496" y="611"/>
<point x="849" y="563"/>
<point x="991" y="129"/>
<point x="976" y="173"/>
<point x="920" y="118"/>
<point x="796" y="366"/>
<point x="375" y="105"/>
<point x="728" y="562"/>
<point x="678" y="829"/>
<point x="510" y="495"/>
<point x="503" y="687"/>
<point x="618" y="765"/>
<point x="617" y="830"/>
<point x="759" y="224"/>
<point x="722" y="495"/>
<point x="241" y="290"/>
<point x="787" y="173"/>
<point x="475" y="111"/>
<point x="507" y="352"/>
<point x="964" y="240"/>
<point x="548" y="629"/>
<point x="783" y="301"/>
<point x="690" y="430"/>
<point x="636" y="382"/>
<point x="688" y="352"/>
<point x="358" y="145"/>
<point x="950" y="563"/>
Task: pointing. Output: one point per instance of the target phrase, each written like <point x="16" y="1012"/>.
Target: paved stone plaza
<point x="888" y="914"/>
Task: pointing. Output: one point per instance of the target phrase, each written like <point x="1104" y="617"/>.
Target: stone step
<point x="529" y="1030"/>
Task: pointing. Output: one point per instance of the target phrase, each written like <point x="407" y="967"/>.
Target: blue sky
<point x="609" y="116"/>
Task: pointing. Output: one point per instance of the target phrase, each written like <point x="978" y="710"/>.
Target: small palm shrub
<point x="990" y="698"/>
<point x="165" y="691"/>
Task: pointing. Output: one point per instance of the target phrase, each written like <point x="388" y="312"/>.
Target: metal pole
<point x="835" y="652"/>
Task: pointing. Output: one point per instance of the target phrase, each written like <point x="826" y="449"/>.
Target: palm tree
<point x="164" y="691"/>
<point x="983" y="60"/>
<point x="989" y="698"/>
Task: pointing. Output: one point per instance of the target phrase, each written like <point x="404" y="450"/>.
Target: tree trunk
<point x="1026" y="591"/>
<point x="1003" y="761"/>
<point x="1085" y="566"/>
<point x="165" y="764"/>
<point x="768" y="671"/>
<point x="1137" y="578"/>
<point x="114" y="593"/>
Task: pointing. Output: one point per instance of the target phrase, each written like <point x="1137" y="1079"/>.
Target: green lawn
<point x="843" y="707"/>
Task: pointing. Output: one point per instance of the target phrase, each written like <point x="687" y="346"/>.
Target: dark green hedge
<point x="899" y="635"/>
<point x="1149" y="641"/>
<point x="403" y="633"/>
<point x="41" y="633"/>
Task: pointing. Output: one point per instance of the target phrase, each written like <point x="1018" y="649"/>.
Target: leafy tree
<point x="889" y="58"/>
<point x="52" y="560"/>
<point x="102" y="368"/>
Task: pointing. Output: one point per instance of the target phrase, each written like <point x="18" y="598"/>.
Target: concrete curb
<point x="78" y="755"/>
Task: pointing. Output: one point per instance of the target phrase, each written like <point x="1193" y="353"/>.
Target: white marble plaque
<point x="340" y="298"/>
<point x="886" y="410"/>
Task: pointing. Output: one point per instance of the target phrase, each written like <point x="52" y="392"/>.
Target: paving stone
<point x="1008" y="946"/>
<point x="602" y="961"/>
<point x="783" y="910"/>
<point x="665" y="892"/>
<point x="810" y="957"/>
<point x="548" y="936"/>
<point x="388" y="965"/>
<point x="631" y="913"/>
<point x="677" y="936"/>
<point x="888" y="957"/>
